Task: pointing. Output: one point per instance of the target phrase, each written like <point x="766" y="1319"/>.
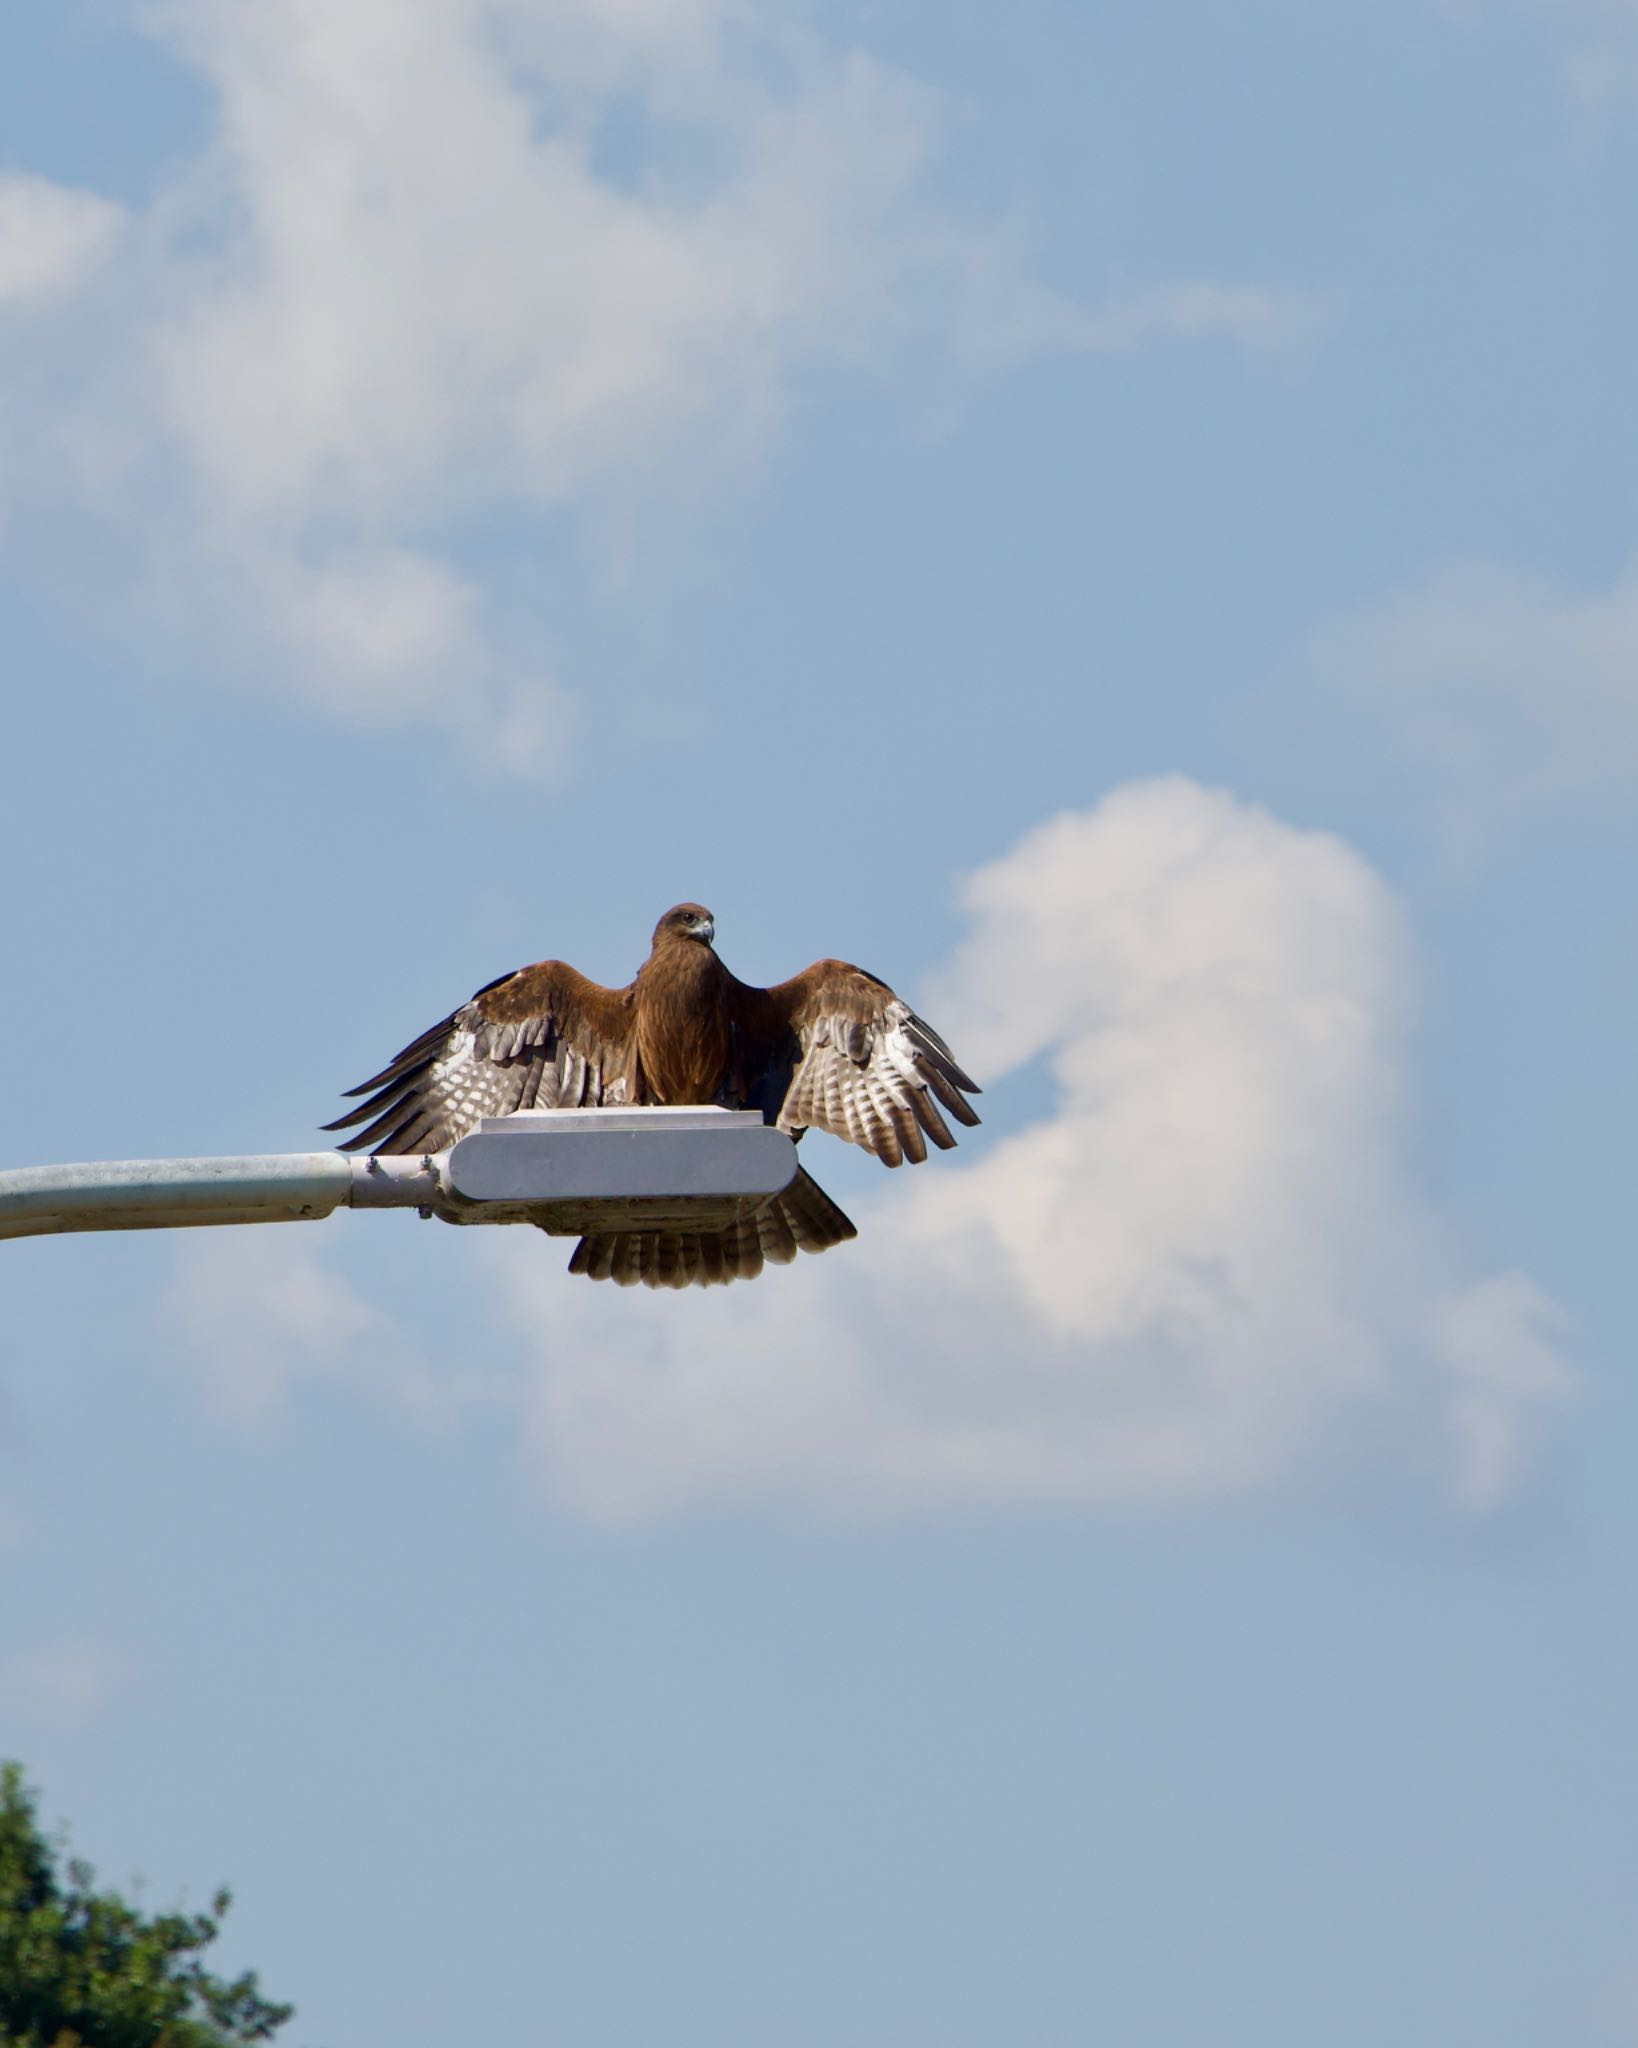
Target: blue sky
<point x="1123" y="521"/>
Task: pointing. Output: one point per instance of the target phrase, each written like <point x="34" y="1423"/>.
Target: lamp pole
<point x="565" y="1171"/>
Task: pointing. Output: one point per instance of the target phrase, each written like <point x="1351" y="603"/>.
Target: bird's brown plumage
<point x="833" y="1048"/>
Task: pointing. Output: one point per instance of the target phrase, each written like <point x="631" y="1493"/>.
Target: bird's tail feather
<point x="801" y="1218"/>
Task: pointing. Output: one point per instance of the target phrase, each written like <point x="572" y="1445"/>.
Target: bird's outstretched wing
<point x="862" y="1064"/>
<point x="542" y="1038"/>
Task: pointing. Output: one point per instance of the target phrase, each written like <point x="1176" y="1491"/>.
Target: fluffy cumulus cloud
<point x="257" y="1314"/>
<point x="440" y="258"/>
<point x="1522" y="690"/>
<point x="51" y="239"/>
<point x="1206" y="1268"/>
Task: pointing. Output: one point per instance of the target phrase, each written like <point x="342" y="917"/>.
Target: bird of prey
<point x="833" y="1048"/>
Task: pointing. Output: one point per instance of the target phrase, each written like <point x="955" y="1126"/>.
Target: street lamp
<point x="571" y="1172"/>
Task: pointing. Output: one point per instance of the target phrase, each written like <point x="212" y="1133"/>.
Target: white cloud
<point x="51" y="239"/>
<point x="1208" y="1269"/>
<point x="259" y="1313"/>
<point x="1598" y="51"/>
<point x="429" y="294"/>
<point x="1520" y="689"/>
<point x="1595" y="44"/>
<point x="380" y="634"/>
<point x="1499" y="1339"/>
<point x="444" y="257"/>
<point x="1277" y="324"/>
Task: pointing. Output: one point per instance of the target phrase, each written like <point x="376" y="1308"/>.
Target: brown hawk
<point x="832" y="1048"/>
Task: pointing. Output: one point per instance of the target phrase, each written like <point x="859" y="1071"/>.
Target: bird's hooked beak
<point x="705" y="929"/>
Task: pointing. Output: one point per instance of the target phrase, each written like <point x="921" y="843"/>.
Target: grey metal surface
<point x="565" y="1172"/>
<point x="157" y="1194"/>
<point x="622" y="1155"/>
<point x="383" y="1181"/>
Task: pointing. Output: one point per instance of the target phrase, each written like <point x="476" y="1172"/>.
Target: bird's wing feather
<point x="864" y="1066"/>
<point x="542" y="1038"/>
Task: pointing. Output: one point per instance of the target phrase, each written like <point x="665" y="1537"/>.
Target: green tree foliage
<point x="80" y="1968"/>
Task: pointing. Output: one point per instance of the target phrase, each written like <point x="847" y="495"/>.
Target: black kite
<point x="833" y="1047"/>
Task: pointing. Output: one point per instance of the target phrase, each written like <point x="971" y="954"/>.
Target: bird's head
<point x="687" y="921"/>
